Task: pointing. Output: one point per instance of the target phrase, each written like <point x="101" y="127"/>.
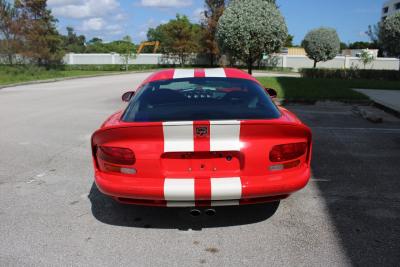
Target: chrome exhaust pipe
<point x="210" y="212"/>
<point x="195" y="212"/>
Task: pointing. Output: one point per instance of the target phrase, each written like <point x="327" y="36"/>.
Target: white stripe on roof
<point x="183" y="73"/>
<point x="219" y="72"/>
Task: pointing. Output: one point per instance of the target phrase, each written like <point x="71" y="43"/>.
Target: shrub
<point x="351" y="74"/>
<point x="107" y="67"/>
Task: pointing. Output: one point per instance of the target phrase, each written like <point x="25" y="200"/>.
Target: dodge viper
<point x="201" y="137"/>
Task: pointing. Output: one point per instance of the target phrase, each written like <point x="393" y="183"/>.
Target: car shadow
<point x="357" y="175"/>
<point x="108" y="211"/>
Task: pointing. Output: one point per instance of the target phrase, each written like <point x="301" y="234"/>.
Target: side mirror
<point x="126" y="97"/>
<point x="271" y="92"/>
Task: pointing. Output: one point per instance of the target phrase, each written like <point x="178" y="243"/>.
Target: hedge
<point x="110" y="67"/>
<point x="107" y="67"/>
<point x="351" y="74"/>
<point x="149" y="67"/>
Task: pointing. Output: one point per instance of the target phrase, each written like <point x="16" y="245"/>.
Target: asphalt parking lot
<point x="52" y="214"/>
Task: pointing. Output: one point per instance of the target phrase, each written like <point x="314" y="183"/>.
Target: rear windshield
<point x="200" y="99"/>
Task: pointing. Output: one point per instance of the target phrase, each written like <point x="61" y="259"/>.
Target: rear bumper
<point x="251" y="189"/>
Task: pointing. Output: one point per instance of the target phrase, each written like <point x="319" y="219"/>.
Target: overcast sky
<point x="112" y="19"/>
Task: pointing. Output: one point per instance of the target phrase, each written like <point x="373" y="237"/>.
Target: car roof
<point x="170" y="74"/>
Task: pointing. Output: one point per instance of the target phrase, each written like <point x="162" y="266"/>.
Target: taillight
<point x="116" y="155"/>
<point x="281" y="153"/>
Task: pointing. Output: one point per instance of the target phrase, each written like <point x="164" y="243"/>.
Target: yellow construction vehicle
<point x="156" y="45"/>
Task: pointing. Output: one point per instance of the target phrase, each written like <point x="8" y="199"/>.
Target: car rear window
<point x="200" y="99"/>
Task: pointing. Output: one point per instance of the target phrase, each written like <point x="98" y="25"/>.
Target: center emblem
<point x="201" y="131"/>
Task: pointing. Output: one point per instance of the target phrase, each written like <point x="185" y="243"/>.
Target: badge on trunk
<point x="201" y="131"/>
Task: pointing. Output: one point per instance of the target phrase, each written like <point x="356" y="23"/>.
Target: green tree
<point x="179" y="38"/>
<point x="359" y="45"/>
<point x="214" y="10"/>
<point x="10" y="38"/>
<point x="42" y="42"/>
<point x="74" y="43"/>
<point x="289" y="41"/>
<point x="95" y="40"/>
<point x="96" y="45"/>
<point x="389" y="35"/>
<point x="247" y="29"/>
<point x="322" y="44"/>
<point x="366" y="57"/>
<point x="127" y="50"/>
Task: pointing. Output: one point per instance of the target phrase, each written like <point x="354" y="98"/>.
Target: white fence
<point x="114" y="58"/>
<point x="286" y="61"/>
<point x="340" y="62"/>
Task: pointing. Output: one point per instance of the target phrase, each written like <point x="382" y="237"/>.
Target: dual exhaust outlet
<point x="208" y="212"/>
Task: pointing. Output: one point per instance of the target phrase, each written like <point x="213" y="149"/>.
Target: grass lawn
<point x="10" y="76"/>
<point x="307" y="89"/>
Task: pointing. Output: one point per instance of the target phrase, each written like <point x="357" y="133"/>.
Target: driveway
<point x="52" y="214"/>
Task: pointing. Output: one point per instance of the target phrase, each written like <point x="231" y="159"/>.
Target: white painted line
<point x="225" y="136"/>
<point x="320" y="180"/>
<point x="216" y="73"/>
<point x="178" y="136"/>
<point x="179" y="189"/>
<point x="356" y="129"/>
<point x="226" y="188"/>
<point x="183" y="73"/>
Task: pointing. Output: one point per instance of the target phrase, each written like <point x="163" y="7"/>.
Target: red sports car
<point x="202" y="137"/>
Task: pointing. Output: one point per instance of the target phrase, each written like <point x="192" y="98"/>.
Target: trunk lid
<point x="201" y="149"/>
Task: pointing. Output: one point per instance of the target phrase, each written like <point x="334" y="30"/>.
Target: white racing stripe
<point x="179" y="189"/>
<point x="219" y="72"/>
<point x="183" y="73"/>
<point x="178" y="136"/>
<point x="225" y="136"/>
<point x="226" y="188"/>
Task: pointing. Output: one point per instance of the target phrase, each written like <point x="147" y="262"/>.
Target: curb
<point x="313" y="102"/>
<point x="381" y="105"/>
<point x="73" y="78"/>
<point x="387" y="109"/>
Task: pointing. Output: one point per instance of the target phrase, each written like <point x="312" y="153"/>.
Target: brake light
<point x="116" y="155"/>
<point x="286" y="152"/>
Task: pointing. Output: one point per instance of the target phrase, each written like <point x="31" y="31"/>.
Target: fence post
<point x="346" y="62"/>
<point x="71" y="58"/>
<point x="284" y="61"/>
<point x="113" y="58"/>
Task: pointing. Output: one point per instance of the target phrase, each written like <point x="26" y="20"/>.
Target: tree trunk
<point x="250" y="66"/>
<point x="182" y="60"/>
<point x="10" y="58"/>
<point x="315" y="64"/>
